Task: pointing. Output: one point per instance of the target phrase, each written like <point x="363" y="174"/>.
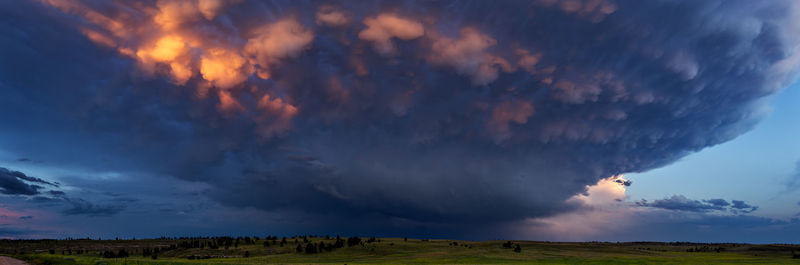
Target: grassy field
<point x="394" y="251"/>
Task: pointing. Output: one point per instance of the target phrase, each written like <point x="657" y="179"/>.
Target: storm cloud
<point x="17" y="183"/>
<point x="83" y="207"/>
<point x="465" y="112"/>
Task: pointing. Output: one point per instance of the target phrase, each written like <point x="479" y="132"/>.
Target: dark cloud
<point x="624" y="182"/>
<point x="24" y="160"/>
<point x="794" y="180"/>
<point x="27" y="217"/>
<point x="16" y="183"/>
<point x="82" y="207"/>
<point x="14" y="232"/>
<point x="742" y="207"/>
<point x="681" y="203"/>
<point x="708" y="227"/>
<point x="718" y="202"/>
<point x="124" y="200"/>
<point x="429" y="129"/>
<point x="45" y="200"/>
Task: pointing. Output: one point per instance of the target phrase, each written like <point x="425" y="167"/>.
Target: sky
<point x="567" y="120"/>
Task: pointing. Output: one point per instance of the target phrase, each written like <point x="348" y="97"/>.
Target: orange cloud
<point x="594" y="10"/>
<point x="383" y="28"/>
<point x="276" y="116"/>
<point x="505" y="113"/>
<point x="118" y="28"/>
<point x="224" y="69"/>
<point x="210" y="8"/>
<point x="283" y="39"/>
<point x="331" y="16"/>
<point x="173" y="14"/>
<point x="468" y="55"/>
<point x="166" y="49"/>
<point x="98" y="37"/>
<point x="586" y="88"/>
<point x="227" y="103"/>
<point x="170" y="50"/>
<point x="177" y="39"/>
<point x="528" y="61"/>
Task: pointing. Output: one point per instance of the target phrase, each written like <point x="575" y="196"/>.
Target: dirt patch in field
<point x="10" y="261"/>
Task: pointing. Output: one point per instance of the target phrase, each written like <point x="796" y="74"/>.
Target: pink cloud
<point x="468" y="55"/>
<point x="382" y="28"/>
<point x="499" y="124"/>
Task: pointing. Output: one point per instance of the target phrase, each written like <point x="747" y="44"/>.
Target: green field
<point x="393" y="251"/>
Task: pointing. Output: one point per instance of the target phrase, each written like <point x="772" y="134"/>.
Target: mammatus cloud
<point x="506" y="113"/>
<point x="331" y="16"/>
<point x="384" y="28"/>
<point x="283" y="39"/>
<point x="468" y="56"/>
<point x="432" y="113"/>
<point x="594" y="10"/>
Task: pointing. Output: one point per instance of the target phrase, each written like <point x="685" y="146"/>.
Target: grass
<point x="413" y="251"/>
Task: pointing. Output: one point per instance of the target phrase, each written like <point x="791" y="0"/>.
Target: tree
<point x="339" y="243"/>
<point x="517" y="249"/>
<point x="299" y="248"/>
<point x="321" y="247"/>
<point x="352" y="241"/>
<point x="247" y="254"/>
<point x="311" y="248"/>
